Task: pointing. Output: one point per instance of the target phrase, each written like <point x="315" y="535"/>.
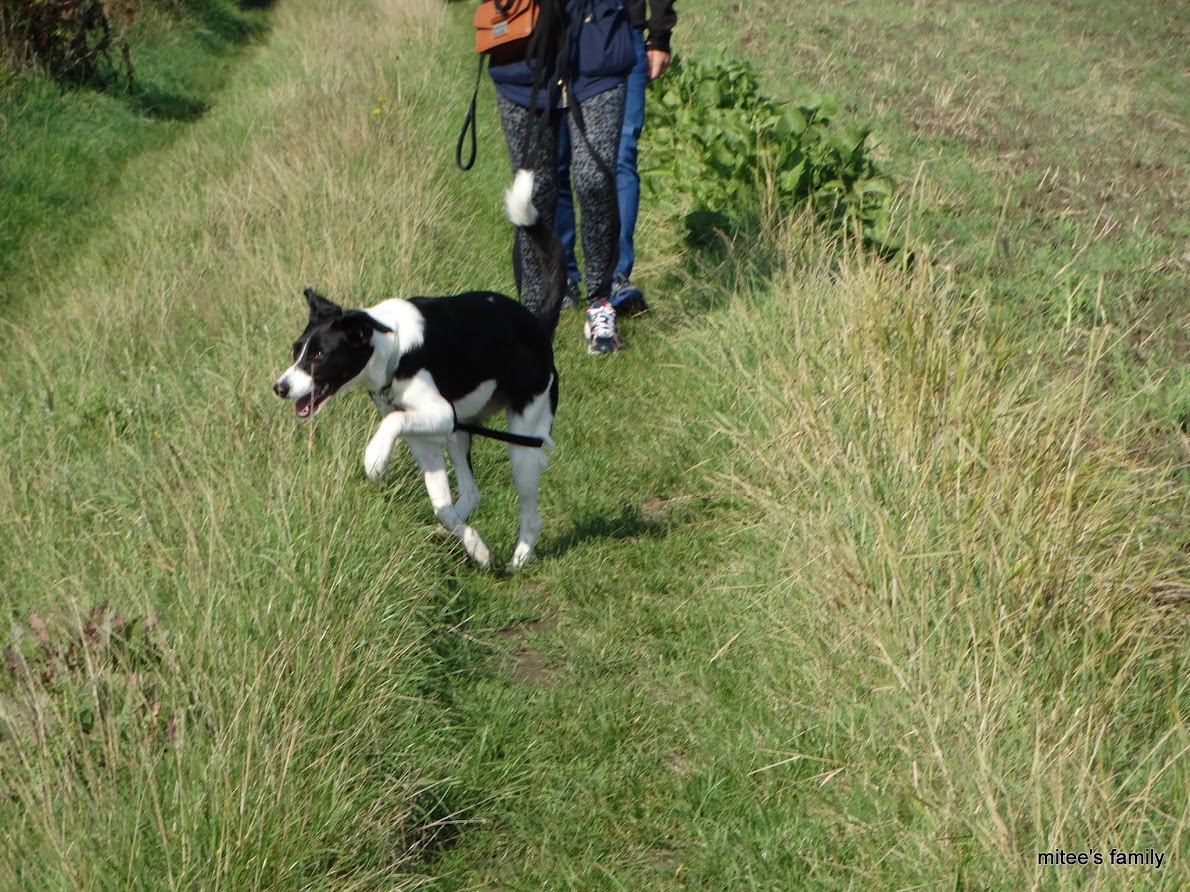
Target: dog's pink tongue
<point x="302" y="406"/>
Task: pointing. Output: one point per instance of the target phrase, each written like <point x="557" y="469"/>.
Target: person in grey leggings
<point x="596" y="38"/>
<point x="602" y="116"/>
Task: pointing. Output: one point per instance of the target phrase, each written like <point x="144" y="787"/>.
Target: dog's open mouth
<point x="309" y="405"/>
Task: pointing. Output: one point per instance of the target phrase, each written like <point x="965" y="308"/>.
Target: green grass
<point x="1044" y="143"/>
<point x="65" y="151"/>
<point x="852" y="576"/>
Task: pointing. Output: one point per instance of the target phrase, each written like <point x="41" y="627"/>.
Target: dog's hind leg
<point x="459" y="447"/>
<point x="429" y="457"/>
<point x="527" y="465"/>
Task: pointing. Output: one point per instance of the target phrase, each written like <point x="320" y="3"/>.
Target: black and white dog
<point x="436" y="368"/>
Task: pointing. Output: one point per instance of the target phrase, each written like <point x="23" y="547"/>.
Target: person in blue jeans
<point x="651" y="36"/>
<point x="576" y="67"/>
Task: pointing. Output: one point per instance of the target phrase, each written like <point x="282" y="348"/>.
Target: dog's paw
<point x="477" y="548"/>
<point x="380" y="447"/>
<point x="376" y="460"/>
<point x="481" y="554"/>
<point x="521" y="556"/>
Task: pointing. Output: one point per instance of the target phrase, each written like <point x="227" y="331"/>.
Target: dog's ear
<point x="320" y="307"/>
<point x="359" y="325"/>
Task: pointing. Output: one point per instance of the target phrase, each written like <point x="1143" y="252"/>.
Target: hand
<point x="658" y="62"/>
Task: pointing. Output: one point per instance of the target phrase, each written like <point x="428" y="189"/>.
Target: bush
<point x="72" y="40"/>
<point x="725" y="152"/>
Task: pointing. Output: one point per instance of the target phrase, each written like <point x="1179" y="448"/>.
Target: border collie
<point x="437" y="368"/>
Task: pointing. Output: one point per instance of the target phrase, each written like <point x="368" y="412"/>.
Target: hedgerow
<point x="721" y="152"/>
<point x="74" y="41"/>
<point x="87" y="42"/>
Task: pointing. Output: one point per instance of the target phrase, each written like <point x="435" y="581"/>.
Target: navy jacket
<point x="601" y="55"/>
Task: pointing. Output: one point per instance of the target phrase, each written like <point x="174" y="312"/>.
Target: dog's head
<point x="329" y="356"/>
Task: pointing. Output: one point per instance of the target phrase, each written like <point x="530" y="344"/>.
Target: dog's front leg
<point x="437" y="419"/>
<point x="380" y="447"/>
<point x="430" y="459"/>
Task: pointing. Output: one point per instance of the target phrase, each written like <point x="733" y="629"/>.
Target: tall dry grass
<point x="227" y="652"/>
<point x="973" y="553"/>
<point x="216" y="668"/>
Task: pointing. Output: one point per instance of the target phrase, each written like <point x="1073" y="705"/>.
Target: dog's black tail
<point x="551" y="260"/>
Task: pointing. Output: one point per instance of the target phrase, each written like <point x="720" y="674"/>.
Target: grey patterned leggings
<point x="603" y="117"/>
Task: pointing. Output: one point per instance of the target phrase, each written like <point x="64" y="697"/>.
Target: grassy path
<point x="847" y="579"/>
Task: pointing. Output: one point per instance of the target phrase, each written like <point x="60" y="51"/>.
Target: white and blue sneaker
<point x="600" y="328"/>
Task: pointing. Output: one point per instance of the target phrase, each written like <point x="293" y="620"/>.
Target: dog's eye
<point x="317" y="355"/>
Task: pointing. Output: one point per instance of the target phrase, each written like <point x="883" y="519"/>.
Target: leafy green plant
<point x="725" y="153"/>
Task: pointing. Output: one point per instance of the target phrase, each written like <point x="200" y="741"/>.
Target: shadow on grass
<point x="165" y="105"/>
<point x="720" y="254"/>
<point x="629" y="523"/>
<point x="723" y="254"/>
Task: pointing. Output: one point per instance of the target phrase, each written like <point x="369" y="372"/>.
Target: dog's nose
<point x="281" y="388"/>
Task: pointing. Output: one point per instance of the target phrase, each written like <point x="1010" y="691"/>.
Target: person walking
<point x="653" y="23"/>
<point x="574" y="73"/>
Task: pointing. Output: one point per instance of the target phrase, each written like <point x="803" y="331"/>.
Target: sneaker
<point x="627" y="298"/>
<point x="600" y="328"/>
<point x="571" y="299"/>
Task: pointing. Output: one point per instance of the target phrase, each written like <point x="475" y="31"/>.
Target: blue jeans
<point x="627" y="177"/>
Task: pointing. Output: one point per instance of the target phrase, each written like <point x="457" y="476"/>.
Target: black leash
<point x="514" y="439"/>
<point x="505" y="436"/>
<point x="469" y="124"/>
